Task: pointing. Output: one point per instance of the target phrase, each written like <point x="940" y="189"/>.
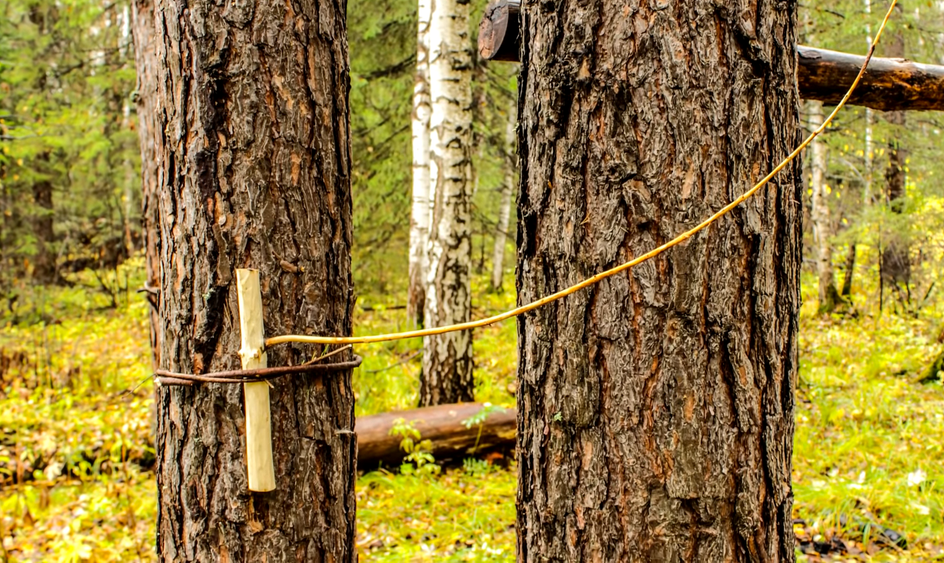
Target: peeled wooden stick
<point x="259" y="464"/>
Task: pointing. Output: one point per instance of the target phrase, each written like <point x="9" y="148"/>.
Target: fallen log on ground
<point x="888" y="84"/>
<point x="442" y="425"/>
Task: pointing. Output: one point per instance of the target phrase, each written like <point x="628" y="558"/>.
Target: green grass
<point x="868" y="439"/>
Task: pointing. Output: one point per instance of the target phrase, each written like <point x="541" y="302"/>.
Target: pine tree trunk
<point x="504" y="210"/>
<point x="656" y="409"/>
<point x="822" y="228"/>
<point x="447" y="358"/>
<point x="420" y="216"/>
<point x="252" y="143"/>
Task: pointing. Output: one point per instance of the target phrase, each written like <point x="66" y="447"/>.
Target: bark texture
<point x="447" y="358"/>
<point x="822" y="226"/>
<point x="656" y="409"/>
<point x="420" y="214"/>
<point x="251" y="138"/>
<point x="504" y="209"/>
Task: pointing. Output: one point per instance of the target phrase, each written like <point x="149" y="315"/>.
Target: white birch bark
<point x="504" y="211"/>
<point x="420" y="215"/>
<point x="820" y="213"/>
<point x="447" y="358"/>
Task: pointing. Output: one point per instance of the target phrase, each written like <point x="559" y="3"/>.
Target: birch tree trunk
<point x="251" y="139"/>
<point x="447" y="359"/>
<point x="420" y="215"/>
<point x="655" y="410"/>
<point x="822" y="227"/>
<point x="504" y="210"/>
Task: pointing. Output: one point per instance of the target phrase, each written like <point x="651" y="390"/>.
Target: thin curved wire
<point x="275" y="340"/>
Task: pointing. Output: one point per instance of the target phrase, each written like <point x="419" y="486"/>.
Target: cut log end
<point x="499" y="31"/>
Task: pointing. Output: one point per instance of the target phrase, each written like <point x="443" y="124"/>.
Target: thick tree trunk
<point x="656" y="409"/>
<point x="822" y="226"/>
<point x="252" y="143"/>
<point x="504" y="209"/>
<point x="447" y="358"/>
<point x="420" y="216"/>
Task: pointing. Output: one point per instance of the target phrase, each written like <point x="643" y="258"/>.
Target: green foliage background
<point x="75" y="442"/>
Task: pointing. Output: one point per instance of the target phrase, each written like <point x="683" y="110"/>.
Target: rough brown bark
<point x="442" y="425"/>
<point x="252" y="146"/>
<point x="656" y="409"/>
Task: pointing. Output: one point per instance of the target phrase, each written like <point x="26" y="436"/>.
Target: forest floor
<point x="75" y="440"/>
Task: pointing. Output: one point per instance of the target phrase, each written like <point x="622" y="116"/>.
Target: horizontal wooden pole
<point x="442" y="425"/>
<point x="888" y="84"/>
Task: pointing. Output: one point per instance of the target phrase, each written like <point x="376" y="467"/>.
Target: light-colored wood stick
<point x="259" y="464"/>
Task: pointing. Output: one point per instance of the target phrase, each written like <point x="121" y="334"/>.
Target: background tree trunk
<point x="895" y="262"/>
<point x="656" y="409"/>
<point x="44" y="262"/>
<point x="822" y="227"/>
<point x="151" y="136"/>
<point x="420" y="216"/>
<point x="507" y="192"/>
<point x="447" y="359"/>
<point x="253" y="170"/>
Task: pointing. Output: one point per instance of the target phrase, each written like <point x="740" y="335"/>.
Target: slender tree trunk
<point x="252" y="146"/>
<point x="895" y="264"/>
<point x="507" y="192"/>
<point x="420" y="217"/>
<point x="822" y="226"/>
<point x="153" y="143"/>
<point x="655" y="414"/>
<point x="130" y="184"/>
<point x="44" y="262"/>
<point x="849" y="270"/>
<point x="447" y="358"/>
